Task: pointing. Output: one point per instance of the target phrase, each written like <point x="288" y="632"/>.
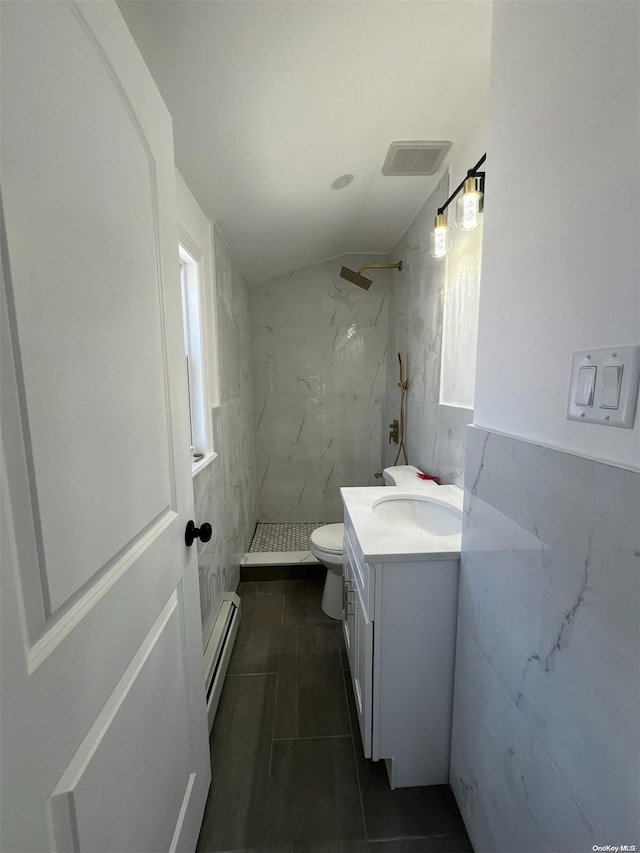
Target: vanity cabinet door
<point x="362" y="670"/>
<point x="348" y="610"/>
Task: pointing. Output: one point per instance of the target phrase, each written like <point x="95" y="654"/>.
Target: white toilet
<point x="326" y="543"/>
<point x="326" y="546"/>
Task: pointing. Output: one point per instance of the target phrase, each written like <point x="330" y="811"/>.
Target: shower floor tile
<point x="283" y="537"/>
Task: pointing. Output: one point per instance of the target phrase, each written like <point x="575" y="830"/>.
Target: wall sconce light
<point x="469" y="206"/>
<point x="440" y="237"/>
<point x="468" y="211"/>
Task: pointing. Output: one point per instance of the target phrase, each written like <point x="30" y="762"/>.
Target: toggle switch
<point x="604" y="386"/>
<point x="584" y="388"/>
<point x="610" y="391"/>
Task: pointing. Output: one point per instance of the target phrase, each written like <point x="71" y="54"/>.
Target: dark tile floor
<point x="288" y="772"/>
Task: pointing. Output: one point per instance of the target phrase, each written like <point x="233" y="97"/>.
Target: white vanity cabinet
<point x="358" y="637"/>
<point x="399" y="629"/>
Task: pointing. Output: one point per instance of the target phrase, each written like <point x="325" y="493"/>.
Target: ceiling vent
<point x="414" y="158"/>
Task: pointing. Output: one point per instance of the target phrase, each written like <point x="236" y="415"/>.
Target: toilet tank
<point x="401" y="475"/>
<point x="406" y="476"/>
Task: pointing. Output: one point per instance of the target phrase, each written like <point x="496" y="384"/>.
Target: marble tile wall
<point x="547" y="690"/>
<point x="319" y="371"/>
<point x="225" y="491"/>
<point x="435" y="434"/>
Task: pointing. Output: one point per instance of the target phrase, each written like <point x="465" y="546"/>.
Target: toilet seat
<point x="329" y="538"/>
<point x="325" y="544"/>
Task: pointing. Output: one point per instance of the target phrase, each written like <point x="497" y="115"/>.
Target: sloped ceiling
<point x="271" y="101"/>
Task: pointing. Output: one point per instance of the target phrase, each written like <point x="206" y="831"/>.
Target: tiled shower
<point x="319" y="375"/>
<point x="325" y="377"/>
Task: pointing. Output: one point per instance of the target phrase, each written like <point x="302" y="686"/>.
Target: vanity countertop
<point x="382" y="542"/>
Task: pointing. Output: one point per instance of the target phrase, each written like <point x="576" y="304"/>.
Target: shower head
<point x="361" y="280"/>
<point x="355" y="278"/>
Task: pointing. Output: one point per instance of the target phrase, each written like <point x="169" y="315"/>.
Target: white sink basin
<point x="418" y="513"/>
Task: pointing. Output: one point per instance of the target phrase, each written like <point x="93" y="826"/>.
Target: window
<point x="194" y="357"/>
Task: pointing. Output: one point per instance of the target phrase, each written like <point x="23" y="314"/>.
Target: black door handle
<point x="192" y="532"/>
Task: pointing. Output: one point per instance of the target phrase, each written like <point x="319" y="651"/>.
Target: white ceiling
<point x="272" y="100"/>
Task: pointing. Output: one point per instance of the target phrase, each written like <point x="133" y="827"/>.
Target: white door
<point x="103" y="733"/>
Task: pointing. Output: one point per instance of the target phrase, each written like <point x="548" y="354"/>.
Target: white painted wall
<point x="466" y="154"/>
<point x="560" y="255"/>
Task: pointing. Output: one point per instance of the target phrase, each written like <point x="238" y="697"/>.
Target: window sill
<point x="207" y="459"/>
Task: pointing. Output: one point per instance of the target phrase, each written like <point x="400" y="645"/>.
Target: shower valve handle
<point x="192" y="533"/>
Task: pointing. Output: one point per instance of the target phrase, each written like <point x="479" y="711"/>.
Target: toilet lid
<point x="329" y="537"/>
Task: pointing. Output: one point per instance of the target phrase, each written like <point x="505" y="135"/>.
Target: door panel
<point x="140" y="715"/>
<point x="92" y="355"/>
<point x="103" y="710"/>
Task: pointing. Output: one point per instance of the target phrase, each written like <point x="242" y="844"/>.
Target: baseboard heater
<point x="218" y="650"/>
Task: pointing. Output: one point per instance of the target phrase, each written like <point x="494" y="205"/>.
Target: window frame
<point x="201" y="347"/>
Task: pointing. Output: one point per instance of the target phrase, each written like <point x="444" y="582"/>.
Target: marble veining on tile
<point x="224" y="491"/>
<point x="547" y="701"/>
<point x="319" y="362"/>
<point x="435" y="434"/>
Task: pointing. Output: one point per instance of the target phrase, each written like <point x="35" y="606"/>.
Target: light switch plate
<point x="627" y="358"/>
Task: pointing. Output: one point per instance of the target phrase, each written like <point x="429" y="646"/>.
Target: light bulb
<point x="468" y="206"/>
<point x="440" y="237"/>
